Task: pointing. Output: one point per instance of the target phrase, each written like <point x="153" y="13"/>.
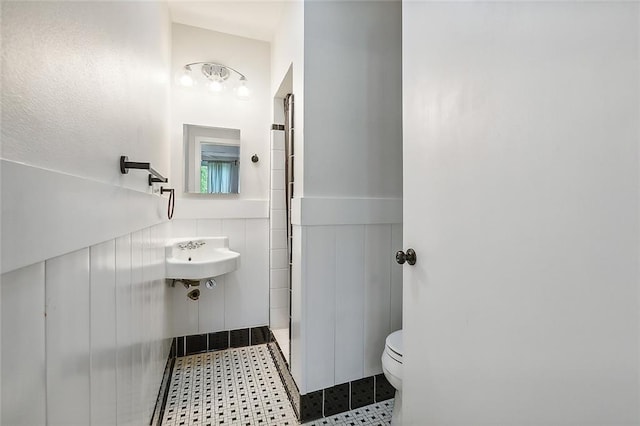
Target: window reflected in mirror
<point x="212" y="160"/>
<point x="219" y="168"/>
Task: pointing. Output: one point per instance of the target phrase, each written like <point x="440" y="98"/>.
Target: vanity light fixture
<point x="216" y="77"/>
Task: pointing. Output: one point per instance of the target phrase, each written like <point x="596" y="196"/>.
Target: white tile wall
<point x="279" y="298"/>
<point x="277" y="197"/>
<point x="278" y="238"/>
<point x="278" y="219"/>
<point x="241" y="298"/>
<point x="279" y="319"/>
<point x="279" y="257"/>
<point x="277" y="179"/>
<point x="277" y="160"/>
<point x="278" y="140"/>
<point x="105" y="335"/>
<point x="23" y="357"/>
<point x="279" y="278"/>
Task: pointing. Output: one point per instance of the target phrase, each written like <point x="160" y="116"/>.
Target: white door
<point x="521" y="202"/>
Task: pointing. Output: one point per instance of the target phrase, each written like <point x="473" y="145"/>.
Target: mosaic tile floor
<point x="378" y="414"/>
<point x="241" y="386"/>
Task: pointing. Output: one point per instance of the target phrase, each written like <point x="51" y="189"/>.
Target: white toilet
<point x="392" y="369"/>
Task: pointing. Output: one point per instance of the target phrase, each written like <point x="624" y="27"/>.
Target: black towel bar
<point x="154" y="176"/>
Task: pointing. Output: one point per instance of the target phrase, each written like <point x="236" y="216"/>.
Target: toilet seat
<point x="393" y="346"/>
<point x="392" y="368"/>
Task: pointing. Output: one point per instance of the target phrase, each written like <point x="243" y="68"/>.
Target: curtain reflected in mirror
<point x="212" y="160"/>
<point x="219" y="175"/>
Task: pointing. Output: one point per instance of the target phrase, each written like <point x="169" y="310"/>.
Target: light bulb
<point x="185" y="78"/>
<point x="243" y="91"/>
<point x="216" y="86"/>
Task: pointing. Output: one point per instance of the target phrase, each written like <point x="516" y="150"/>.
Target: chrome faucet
<point x="191" y="245"/>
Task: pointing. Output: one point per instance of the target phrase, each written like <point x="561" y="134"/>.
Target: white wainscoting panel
<point x="349" y="302"/>
<point x="67" y="285"/>
<point x="377" y="295"/>
<point x="124" y="336"/>
<point x="396" y="277"/>
<point x="241" y="298"/>
<point x="255" y="282"/>
<point x="236" y="289"/>
<point x="67" y="201"/>
<point x="23" y="356"/>
<point x="320" y="250"/>
<point x="103" y="333"/>
<point x="198" y="206"/>
<point x="210" y="307"/>
<point x="298" y="313"/>
<point x="350" y="305"/>
<point x="137" y="248"/>
<point x="208" y="227"/>
<point x="312" y="211"/>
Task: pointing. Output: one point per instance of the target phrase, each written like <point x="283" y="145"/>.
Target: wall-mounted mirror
<point x="212" y="159"/>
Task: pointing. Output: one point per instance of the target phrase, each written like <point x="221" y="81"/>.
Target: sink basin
<point x="200" y="258"/>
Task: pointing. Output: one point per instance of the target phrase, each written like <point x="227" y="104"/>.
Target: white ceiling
<point x="255" y="19"/>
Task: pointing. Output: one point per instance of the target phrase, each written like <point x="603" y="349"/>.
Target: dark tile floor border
<point x="209" y="342"/>
<point x="285" y="375"/>
<point x="344" y="397"/>
<point x="163" y="392"/>
<point x="334" y="400"/>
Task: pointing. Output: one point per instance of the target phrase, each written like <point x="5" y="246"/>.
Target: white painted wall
<point x="522" y="129"/>
<point x="353" y="100"/>
<point x="199" y="106"/>
<point x="78" y="83"/>
<point x="241" y="298"/>
<point x="82" y="84"/>
<point x="84" y="335"/>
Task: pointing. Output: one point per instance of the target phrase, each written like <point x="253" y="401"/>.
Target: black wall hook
<point x="254" y="158"/>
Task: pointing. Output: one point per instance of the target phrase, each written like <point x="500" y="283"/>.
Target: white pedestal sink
<point x="199" y="258"/>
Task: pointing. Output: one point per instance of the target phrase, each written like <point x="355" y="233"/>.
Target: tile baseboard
<point x="345" y="397"/>
<point x="334" y="400"/>
<point x="163" y="392"/>
<point x="285" y="375"/>
<point x="220" y="340"/>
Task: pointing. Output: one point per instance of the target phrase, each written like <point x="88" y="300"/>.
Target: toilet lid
<point x="394" y="342"/>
